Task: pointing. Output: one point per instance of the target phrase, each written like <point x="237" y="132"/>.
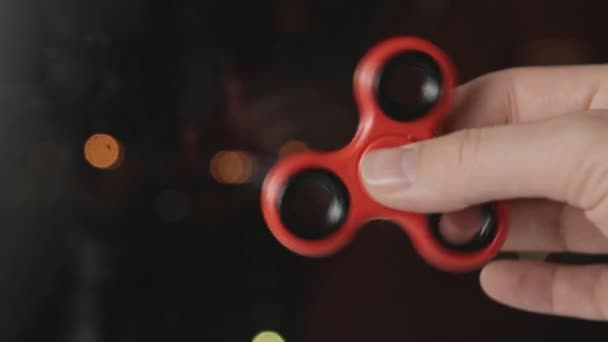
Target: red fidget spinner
<point x="384" y="122"/>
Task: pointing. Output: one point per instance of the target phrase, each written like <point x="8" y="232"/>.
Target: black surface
<point x="409" y="85"/>
<point x="314" y="204"/>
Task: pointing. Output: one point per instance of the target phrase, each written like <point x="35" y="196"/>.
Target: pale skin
<point x="538" y="139"/>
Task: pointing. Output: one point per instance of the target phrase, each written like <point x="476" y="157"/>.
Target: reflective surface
<point x="153" y="233"/>
<point x="314" y="204"/>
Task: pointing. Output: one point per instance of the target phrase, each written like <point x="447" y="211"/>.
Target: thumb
<point x="561" y="159"/>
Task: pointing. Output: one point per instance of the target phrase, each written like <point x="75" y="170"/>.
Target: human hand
<point x="537" y="137"/>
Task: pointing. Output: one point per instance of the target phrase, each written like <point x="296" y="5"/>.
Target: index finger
<point x="527" y="94"/>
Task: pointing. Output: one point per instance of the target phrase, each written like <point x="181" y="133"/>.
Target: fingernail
<point x="389" y="167"/>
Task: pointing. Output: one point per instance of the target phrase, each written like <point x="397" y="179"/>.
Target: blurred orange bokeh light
<point x="232" y="167"/>
<point x="103" y="151"/>
<point x="292" y="146"/>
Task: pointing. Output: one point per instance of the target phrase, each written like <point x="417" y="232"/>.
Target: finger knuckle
<point x="507" y="82"/>
<point x="469" y="142"/>
<point x="587" y="141"/>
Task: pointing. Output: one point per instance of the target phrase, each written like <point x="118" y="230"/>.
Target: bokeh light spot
<point x="232" y="167"/>
<point x="268" y="336"/>
<point x="103" y="151"/>
<point x="292" y="146"/>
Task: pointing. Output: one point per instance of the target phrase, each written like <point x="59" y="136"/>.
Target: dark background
<point x="157" y="249"/>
